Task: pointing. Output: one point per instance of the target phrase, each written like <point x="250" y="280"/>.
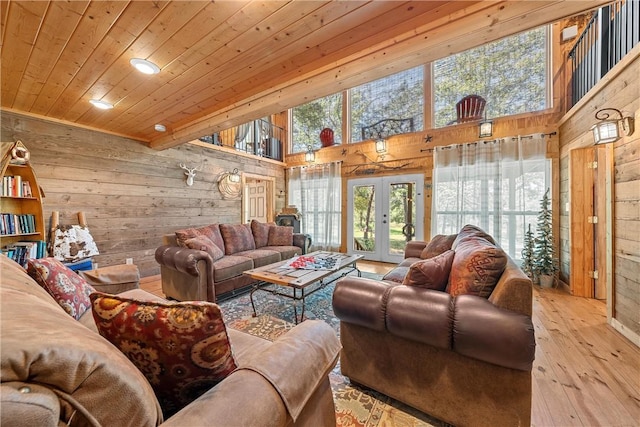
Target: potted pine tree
<point x="527" y="253"/>
<point x="544" y="262"/>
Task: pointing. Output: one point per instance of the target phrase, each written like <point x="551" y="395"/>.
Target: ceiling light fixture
<point x="103" y="105"/>
<point x="607" y="129"/>
<point x="144" y="66"/>
<point x="160" y="127"/>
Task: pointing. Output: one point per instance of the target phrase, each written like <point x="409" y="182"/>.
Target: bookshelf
<point x="22" y="218"/>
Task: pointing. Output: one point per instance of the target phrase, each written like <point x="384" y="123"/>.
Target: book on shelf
<point x="22" y="251"/>
<point x="15" y="186"/>
<point x="17" y="223"/>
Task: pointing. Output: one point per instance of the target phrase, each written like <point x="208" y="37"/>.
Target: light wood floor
<point x="585" y="373"/>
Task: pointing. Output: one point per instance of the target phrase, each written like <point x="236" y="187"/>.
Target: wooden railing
<point x="610" y="34"/>
<point x="259" y="137"/>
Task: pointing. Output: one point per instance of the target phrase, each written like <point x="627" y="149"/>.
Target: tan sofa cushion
<point x="261" y="256"/>
<point x="230" y="266"/>
<point x="286" y="252"/>
<point x="68" y="357"/>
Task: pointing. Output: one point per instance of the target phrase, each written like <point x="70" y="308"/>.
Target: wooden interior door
<point x="588" y="214"/>
<point x="257" y="200"/>
<point x="581" y="181"/>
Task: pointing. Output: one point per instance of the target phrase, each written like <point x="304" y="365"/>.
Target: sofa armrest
<point x="184" y="260"/>
<point x="491" y="334"/>
<point x="414" y="248"/>
<point x="187" y="274"/>
<point x="273" y="387"/>
<point x="303" y="241"/>
<point x="361" y="301"/>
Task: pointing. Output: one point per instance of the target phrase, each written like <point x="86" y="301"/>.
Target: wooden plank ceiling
<point x="225" y="63"/>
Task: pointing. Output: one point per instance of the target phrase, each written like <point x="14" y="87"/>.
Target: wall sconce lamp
<point x="607" y="129"/>
<point x="310" y="155"/>
<point x="381" y="145"/>
<point x="486" y="128"/>
<point x="234" y="176"/>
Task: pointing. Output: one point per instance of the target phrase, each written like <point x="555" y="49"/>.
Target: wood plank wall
<point x="619" y="89"/>
<point x="131" y="194"/>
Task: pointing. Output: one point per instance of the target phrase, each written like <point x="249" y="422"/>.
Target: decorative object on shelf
<point x="310" y="155"/>
<point x="289" y="217"/>
<point x="608" y="128"/>
<point x="545" y="264"/>
<point x="381" y="145"/>
<point x="428" y="139"/>
<point x="326" y="137"/>
<point x="229" y="185"/>
<point x="190" y="172"/>
<point x="19" y="154"/>
<point x="485" y="128"/>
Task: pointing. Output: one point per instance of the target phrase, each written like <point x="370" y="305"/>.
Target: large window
<point x="511" y="74"/>
<point x="496" y="186"/>
<point x="398" y="99"/>
<point x="309" y="120"/>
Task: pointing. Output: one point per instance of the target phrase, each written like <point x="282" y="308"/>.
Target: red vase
<point x="326" y="137"/>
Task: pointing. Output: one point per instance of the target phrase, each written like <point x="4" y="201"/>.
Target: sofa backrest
<point x="43" y="345"/>
<point x="514" y="290"/>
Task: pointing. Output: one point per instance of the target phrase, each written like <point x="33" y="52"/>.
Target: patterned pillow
<point x="471" y="231"/>
<point x="183" y="235"/>
<point x="260" y="232"/>
<point x="439" y="244"/>
<point x="182" y="348"/>
<point x="477" y="267"/>
<point x="203" y="243"/>
<point x="280" y="235"/>
<point x="432" y="273"/>
<point x="237" y="238"/>
<point x="65" y="286"/>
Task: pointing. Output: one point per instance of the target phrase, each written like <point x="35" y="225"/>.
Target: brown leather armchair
<point x="465" y="360"/>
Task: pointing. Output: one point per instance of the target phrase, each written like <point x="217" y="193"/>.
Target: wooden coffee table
<point x="275" y="278"/>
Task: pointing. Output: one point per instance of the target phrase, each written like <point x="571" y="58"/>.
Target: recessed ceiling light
<point x="145" y="66"/>
<point x="160" y="128"/>
<point x="103" y="105"/>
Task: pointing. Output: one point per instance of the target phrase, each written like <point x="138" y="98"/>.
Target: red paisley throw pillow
<point x="182" y="348"/>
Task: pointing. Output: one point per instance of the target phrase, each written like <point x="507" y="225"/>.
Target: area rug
<point x="355" y="406"/>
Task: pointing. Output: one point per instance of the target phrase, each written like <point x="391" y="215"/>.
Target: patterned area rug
<point x="355" y="406"/>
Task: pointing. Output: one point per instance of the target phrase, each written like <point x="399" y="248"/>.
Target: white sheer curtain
<point x="317" y="193"/>
<point x="496" y="185"/>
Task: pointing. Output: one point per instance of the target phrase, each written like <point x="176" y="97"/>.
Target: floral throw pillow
<point x="432" y="273"/>
<point x="64" y="285"/>
<point x="203" y="243"/>
<point x="181" y="348"/>
<point x="237" y="238"/>
<point x="280" y="235"/>
<point x="260" y="232"/>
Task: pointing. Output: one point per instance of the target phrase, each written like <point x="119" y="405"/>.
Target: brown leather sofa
<point x="59" y="371"/>
<point x="193" y="275"/>
<point x="465" y="360"/>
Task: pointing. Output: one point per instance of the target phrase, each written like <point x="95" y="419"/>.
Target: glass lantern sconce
<point x="608" y="128"/>
<point x="310" y="155"/>
<point x="485" y="128"/>
<point x="381" y="146"/>
<point x="234" y="176"/>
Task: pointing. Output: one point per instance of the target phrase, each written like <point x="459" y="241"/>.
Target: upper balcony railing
<point x="610" y="34"/>
<point x="259" y="137"/>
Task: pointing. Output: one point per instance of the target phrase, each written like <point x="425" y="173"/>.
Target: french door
<point x="384" y="213"/>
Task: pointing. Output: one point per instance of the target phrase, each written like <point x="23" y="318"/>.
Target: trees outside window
<point x="400" y="96"/>
<point x="309" y="119"/>
<point x="510" y="74"/>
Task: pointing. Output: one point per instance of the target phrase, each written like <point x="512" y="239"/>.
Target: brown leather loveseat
<point x="464" y="359"/>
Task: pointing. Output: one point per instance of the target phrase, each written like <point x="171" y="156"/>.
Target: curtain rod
<point x="513" y="138"/>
